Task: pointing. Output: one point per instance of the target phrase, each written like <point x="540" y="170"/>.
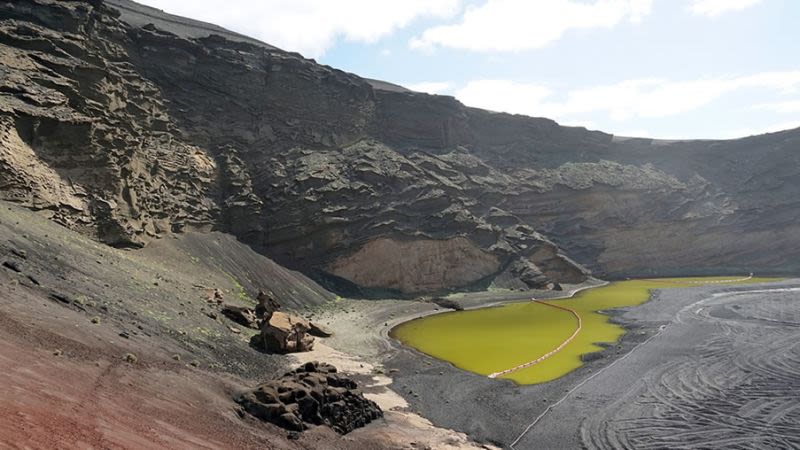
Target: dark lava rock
<point x="594" y="356"/>
<point x="319" y="330"/>
<point x="13" y="265"/>
<point x="241" y="314"/>
<point x="312" y="394"/>
<point x="448" y="303"/>
<point x="63" y="298"/>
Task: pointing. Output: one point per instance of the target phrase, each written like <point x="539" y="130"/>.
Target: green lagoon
<point x="488" y="340"/>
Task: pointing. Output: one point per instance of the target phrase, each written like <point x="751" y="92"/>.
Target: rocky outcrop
<point x="286" y="333"/>
<point x="85" y="136"/>
<point x="280" y="332"/>
<point x="313" y="394"/>
<point x="125" y="125"/>
<point x="106" y="124"/>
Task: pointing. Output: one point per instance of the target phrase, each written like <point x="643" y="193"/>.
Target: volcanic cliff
<point x="128" y="124"/>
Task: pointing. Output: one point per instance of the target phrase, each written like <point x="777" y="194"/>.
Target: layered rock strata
<point x="128" y="124"/>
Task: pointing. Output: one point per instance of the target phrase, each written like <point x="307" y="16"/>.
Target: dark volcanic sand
<point x="723" y="373"/>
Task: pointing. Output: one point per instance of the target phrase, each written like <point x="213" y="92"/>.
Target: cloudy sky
<point x="657" y="68"/>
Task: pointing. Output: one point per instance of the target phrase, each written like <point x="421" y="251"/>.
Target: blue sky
<point x="656" y="68"/>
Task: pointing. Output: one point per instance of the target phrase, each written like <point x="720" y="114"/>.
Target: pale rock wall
<point x="414" y="266"/>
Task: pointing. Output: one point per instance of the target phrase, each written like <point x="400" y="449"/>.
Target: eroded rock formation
<point x="126" y="124"/>
<point x="280" y="332"/>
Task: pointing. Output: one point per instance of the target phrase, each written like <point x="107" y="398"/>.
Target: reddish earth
<point x="71" y="309"/>
<point x="64" y="383"/>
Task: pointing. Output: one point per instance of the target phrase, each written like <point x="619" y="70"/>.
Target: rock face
<point x="313" y="394"/>
<point x="86" y="137"/>
<point x="126" y="124"/>
<point x="416" y="266"/>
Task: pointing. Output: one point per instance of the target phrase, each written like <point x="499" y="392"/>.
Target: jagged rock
<point x="312" y="394"/>
<point x="153" y="179"/>
<point x="267" y="305"/>
<point x="127" y="127"/>
<point x="530" y="274"/>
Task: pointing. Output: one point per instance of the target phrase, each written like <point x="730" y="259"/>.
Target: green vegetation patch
<point x="490" y="340"/>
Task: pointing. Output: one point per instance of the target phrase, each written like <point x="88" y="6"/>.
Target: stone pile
<point x="313" y="394"/>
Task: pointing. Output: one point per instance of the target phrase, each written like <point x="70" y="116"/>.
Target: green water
<point x="489" y="340"/>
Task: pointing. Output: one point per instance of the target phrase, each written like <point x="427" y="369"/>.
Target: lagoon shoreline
<point x="494" y="411"/>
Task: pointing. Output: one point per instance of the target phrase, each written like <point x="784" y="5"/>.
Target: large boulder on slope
<point x="286" y="333"/>
<point x="313" y="394"/>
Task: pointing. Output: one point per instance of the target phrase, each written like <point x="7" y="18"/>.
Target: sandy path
<point x="402" y="427"/>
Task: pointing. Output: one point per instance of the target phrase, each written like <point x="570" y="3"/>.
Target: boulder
<point x="267" y="304"/>
<point x="313" y="394"/>
<point x="286" y="333"/>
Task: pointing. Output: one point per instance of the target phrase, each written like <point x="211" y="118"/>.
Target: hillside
<point x="129" y="125"/>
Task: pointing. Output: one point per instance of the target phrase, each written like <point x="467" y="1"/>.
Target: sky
<point x="672" y="69"/>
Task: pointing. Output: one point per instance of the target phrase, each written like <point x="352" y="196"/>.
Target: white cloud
<point x="792" y="106"/>
<point x="712" y="8"/>
<point x="309" y="26"/>
<point x="621" y="101"/>
<point x="516" y="25"/>
<point x="430" y="87"/>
